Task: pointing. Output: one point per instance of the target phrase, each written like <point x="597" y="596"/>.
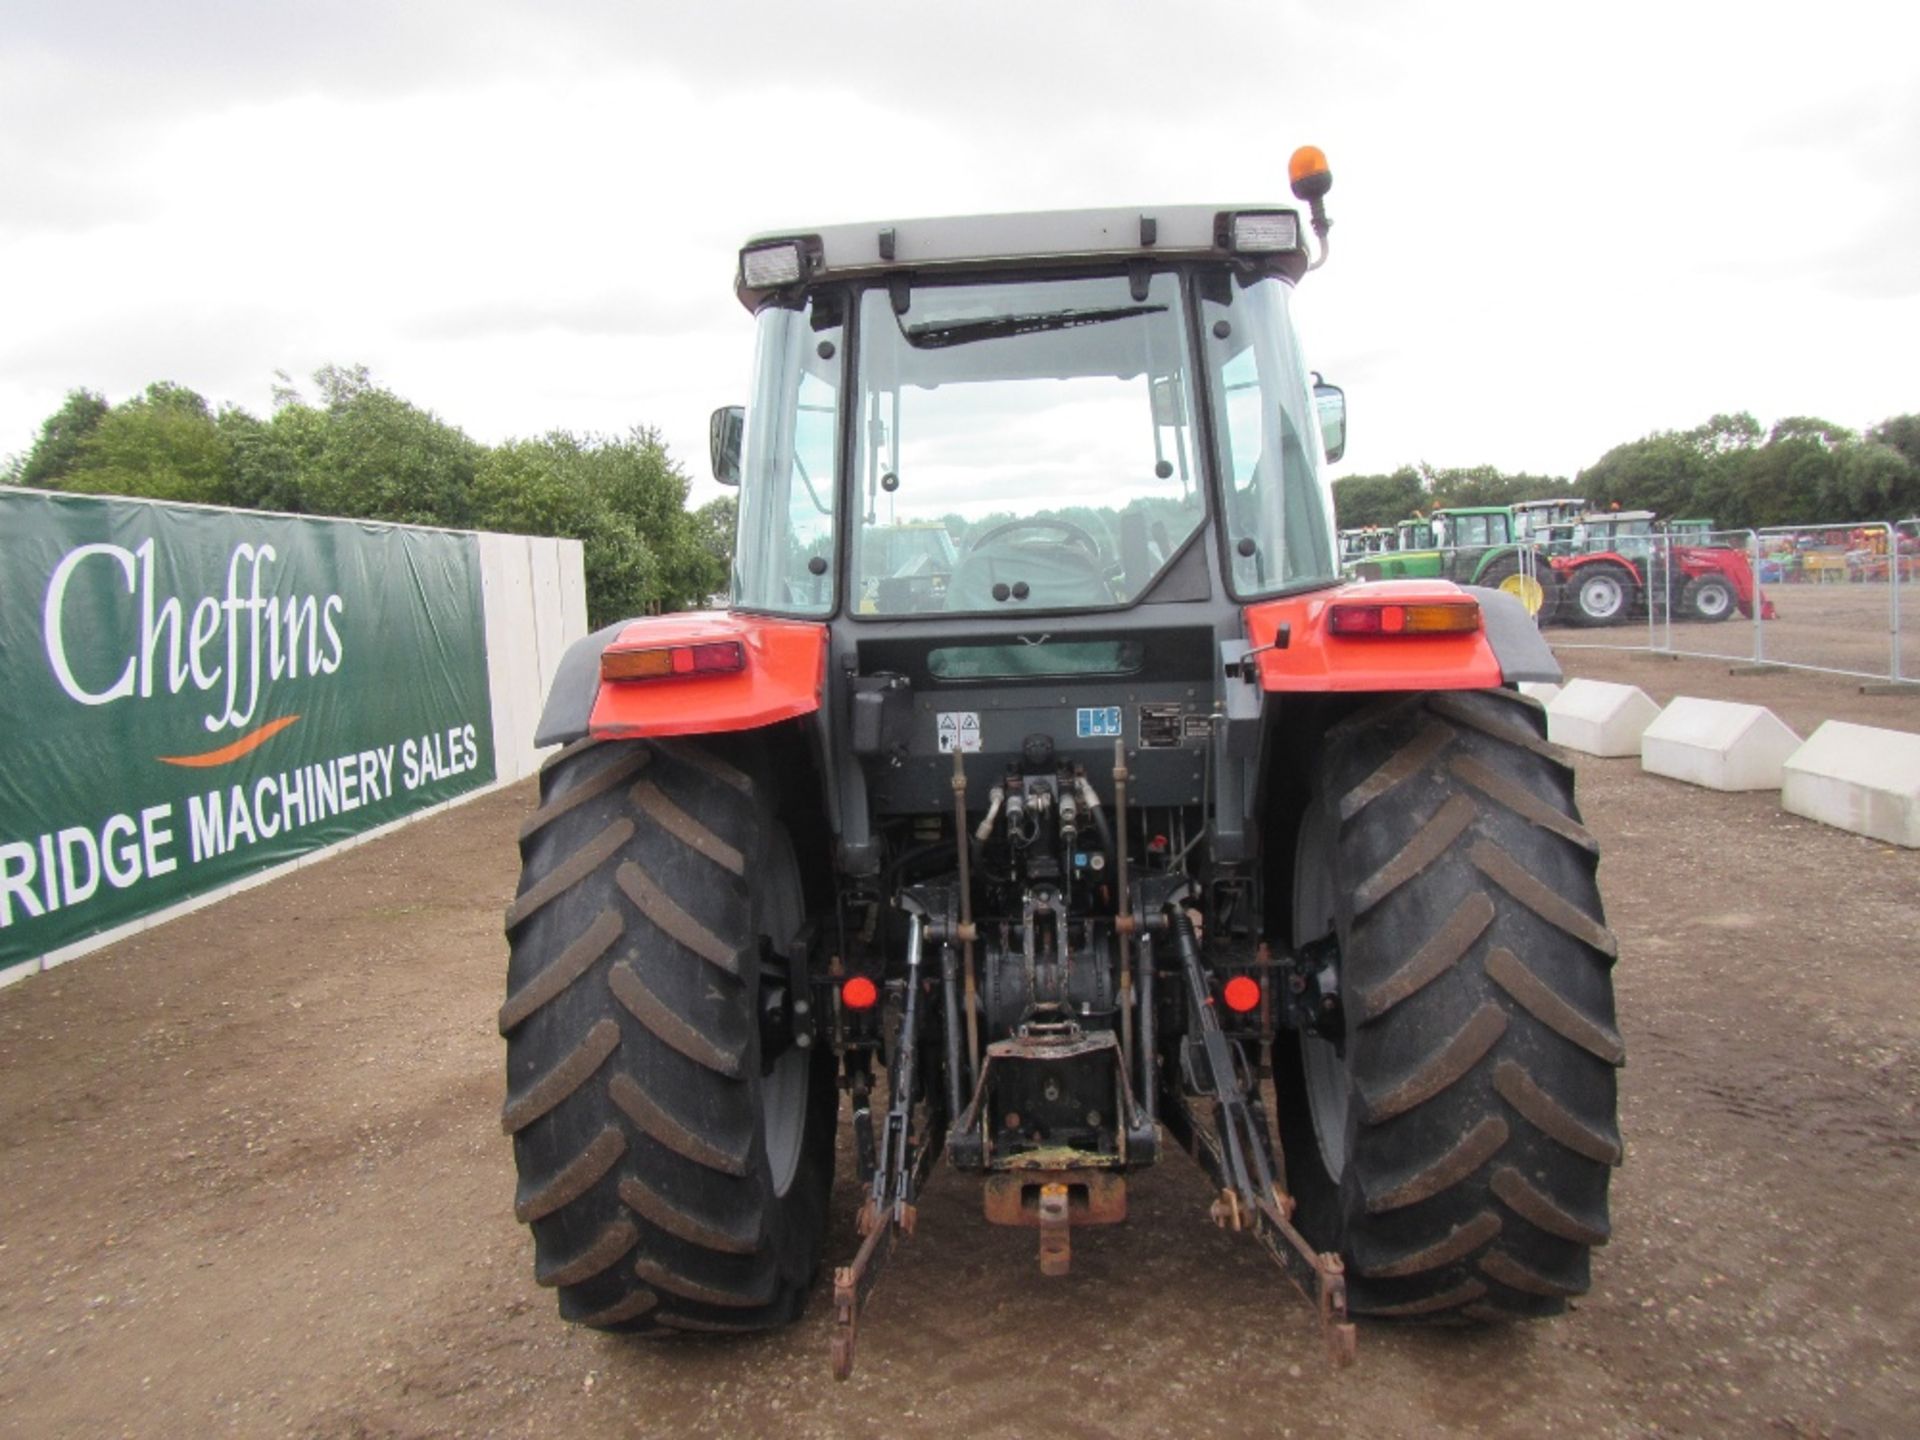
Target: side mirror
<point x="1331" y="402"/>
<point x="723" y="442"/>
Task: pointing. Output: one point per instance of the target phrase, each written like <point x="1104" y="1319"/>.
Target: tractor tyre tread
<point x="1481" y="1040"/>
<point x="1690" y="599"/>
<point x="1576" y="611"/>
<point x="634" y="1080"/>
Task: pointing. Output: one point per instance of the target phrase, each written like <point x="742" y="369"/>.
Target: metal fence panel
<point x="1839" y="598"/>
<point x="1835" y="597"/>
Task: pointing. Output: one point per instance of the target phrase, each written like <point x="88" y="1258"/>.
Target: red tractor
<point x="1613" y="565"/>
<point x="1143" y="828"/>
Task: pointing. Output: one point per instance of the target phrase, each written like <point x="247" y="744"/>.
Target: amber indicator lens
<point x="721" y="657"/>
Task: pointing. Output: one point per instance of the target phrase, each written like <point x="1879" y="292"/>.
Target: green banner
<point x="189" y="695"/>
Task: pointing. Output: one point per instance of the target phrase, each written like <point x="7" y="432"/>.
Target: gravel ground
<point x="254" y="1184"/>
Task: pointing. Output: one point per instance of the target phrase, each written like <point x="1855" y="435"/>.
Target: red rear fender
<point x="783" y="676"/>
<point x="1297" y="650"/>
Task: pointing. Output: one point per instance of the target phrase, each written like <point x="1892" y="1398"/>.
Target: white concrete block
<point x="1599" y="718"/>
<point x="1541" y="690"/>
<point x="1859" y="778"/>
<point x="1718" y="744"/>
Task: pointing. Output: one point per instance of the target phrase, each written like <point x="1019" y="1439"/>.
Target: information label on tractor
<point x="959" y="730"/>
<point x="1097" y="722"/>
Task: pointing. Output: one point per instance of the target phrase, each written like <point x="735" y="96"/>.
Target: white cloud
<point x="1555" y="230"/>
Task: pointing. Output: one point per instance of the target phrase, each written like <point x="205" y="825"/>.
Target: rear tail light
<point x="1241" y="993"/>
<point x="1446" y="617"/>
<point x="662" y="662"/>
<point x="859" y="993"/>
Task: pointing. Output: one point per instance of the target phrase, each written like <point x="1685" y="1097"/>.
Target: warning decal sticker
<point x="959" y="730"/>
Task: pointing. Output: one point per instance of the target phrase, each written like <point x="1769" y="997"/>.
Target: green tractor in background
<point x="1469" y="545"/>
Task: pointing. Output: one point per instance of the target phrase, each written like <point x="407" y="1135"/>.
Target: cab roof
<point x="1035" y="238"/>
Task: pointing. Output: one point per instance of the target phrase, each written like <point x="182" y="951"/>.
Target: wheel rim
<point x="1712" y="600"/>
<point x="1329" y="1089"/>
<point x="786" y="1101"/>
<point x="1600" y="596"/>
<point x="784" y="1089"/>
<point x="1527" y="589"/>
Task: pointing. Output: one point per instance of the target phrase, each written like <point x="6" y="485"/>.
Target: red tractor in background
<point x="1613" y="566"/>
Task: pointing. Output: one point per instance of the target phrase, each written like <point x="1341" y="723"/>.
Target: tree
<point x="164" y="444"/>
<point x="642" y="481"/>
<point x="1484" y="485"/>
<point x="1661" y="472"/>
<point x="1876" y="481"/>
<point x="545" y="487"/>
<point x="1361" y="500"/>
<point x="626" y="501"/>
<point x="1725" y="434"/>
<point x="364" y="453"/>
<point x="1824" y="433"/>
<point x="1902" y="433"/>
<point x="341" y="385"/>
<point x="381" y="458"/>
<point x="53" y="455"/>
<point x="714" y="524"/>
<point x="274" y="460"/>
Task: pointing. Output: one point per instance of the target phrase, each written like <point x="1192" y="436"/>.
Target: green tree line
<point x="359" y="451"/>
<point x="1730" y="470"/>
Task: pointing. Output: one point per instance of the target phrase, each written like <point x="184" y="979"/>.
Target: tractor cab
<point x="1357" y="544"/>
<point x="1414" y="535"/>
<point x="1053" y="418"/>
<point x="1470" y="531"/>
<point x="1628" y="533"/>
<point x="1544" y="521"/>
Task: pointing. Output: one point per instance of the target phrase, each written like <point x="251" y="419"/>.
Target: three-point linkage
<point x="897" y="1174"/>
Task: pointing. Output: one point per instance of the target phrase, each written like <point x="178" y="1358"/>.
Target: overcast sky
<point x="1556" y="227"/>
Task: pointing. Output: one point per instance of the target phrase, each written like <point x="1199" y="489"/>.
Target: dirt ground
<point x="252" y="1182"/>
<point x="1842" y="627"/>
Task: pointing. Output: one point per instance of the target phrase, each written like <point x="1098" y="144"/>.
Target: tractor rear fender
<point x="1570" y="566"/>
<point x="780" y="676"/>
<point x="1295" y="649"/>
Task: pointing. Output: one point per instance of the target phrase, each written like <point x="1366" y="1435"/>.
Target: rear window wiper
<point x="936" y="335"/>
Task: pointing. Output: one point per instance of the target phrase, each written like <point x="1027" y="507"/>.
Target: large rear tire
<point x="1603" y="594"/>
<point x="1708" y="597"/>
<point x="1456" y="1146"/>
<point x="674" y="1176"/>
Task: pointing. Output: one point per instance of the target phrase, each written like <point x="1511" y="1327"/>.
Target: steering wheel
<point x="1072" y="531"/>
